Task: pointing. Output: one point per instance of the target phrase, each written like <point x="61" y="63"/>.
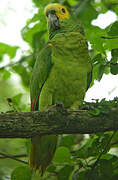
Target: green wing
<point x="40" y="74"/>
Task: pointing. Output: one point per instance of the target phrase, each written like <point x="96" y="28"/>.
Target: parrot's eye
<point x="63" y="10"/>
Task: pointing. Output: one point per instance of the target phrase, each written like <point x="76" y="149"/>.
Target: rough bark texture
<point x="56" y="120"/>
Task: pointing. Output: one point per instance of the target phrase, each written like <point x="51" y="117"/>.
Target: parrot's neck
<point x="67" y="26"/>
<point x="53" y="33"/>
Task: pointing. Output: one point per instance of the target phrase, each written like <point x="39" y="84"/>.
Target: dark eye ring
<point x="63" y="10"/>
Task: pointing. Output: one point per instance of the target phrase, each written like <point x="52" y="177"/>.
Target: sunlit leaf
<point x="67" y="141"/>
<point x="21" y="173"/>
<point x="6" y="75"/>
<point x="62" y="155"/>
<point x="113" y="30"/>
<point x="8" y="49"/>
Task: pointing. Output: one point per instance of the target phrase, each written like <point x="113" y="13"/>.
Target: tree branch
<point x="13" y="157"/>
<point x="56" y="120"/>
<point x="97" y="161"/>
<point x="24" y="58"/>
<point x="16" y="156"/>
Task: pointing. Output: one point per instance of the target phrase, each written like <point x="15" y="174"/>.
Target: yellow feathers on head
<point x="61" y="11"/>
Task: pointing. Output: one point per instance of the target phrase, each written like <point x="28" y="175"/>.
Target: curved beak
<point x="53" y="21"/>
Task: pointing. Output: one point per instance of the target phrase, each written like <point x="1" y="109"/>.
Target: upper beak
<point x="53" y="21"/>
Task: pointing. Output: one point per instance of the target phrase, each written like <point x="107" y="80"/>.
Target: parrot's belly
<point x="66" y="84"/>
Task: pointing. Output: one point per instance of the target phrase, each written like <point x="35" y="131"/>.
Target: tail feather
<point x="42" y="152"/>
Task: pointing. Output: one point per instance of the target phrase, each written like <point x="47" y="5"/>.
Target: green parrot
<point x="62" y="73"/>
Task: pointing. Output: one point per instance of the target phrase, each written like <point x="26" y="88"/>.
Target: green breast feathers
<point x="61" y="70"/>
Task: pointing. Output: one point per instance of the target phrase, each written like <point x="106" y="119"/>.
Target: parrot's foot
<point x="56" y="106"/>
<point x="59" y="104"/>
<point x="59" y="107"/>
<point x="86" y="108"/>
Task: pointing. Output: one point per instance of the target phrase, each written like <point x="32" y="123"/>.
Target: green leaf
<point x="6" y="74"/>
<point x="93" y="146"/>
<point x="113" y="29"/>
<point x="38" y="41"/>
<point x="95" y="71"/>
<point x="28" y="145"/>
<point x="17" y="99"/>
<point x="109" y="157"/>
<point x="23" y="72"/>
<point x="101" y="71"/>
<point x="83" y="175"/>
<point x="65" y="172"/>
<point x="21" y="173"/>
<point x="97" y="58"/>
<point x="93" y="34"/>
<point x="27" y="33"/>
<point x="8" y="49"/>
<point x="72" y="2"/>
<point x="114" y="54"/>
<point x="67" y="141"/>
<point x="62" y="155"/>
<point x="100" y="6"/>
<point x="35" y="26"/>
<point x="51" y="168"/>
<point x="94" y="111"/>
<point x="86" y="12"/>
<point x="104" y="169"/>
<point x="110" y="44"/>
<point x="114" y="68"/>
<point x="39" y="3"/>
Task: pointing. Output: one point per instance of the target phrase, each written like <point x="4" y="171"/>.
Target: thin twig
<point x="16" y="156"/>
<point x="12" y="157"/>
<point x="104" y="37"/>
<point x="15" y="63"/>
<point x="97" y="161"/>
<point x="114" y="143"/>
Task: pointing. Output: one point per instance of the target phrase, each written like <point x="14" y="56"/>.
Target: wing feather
<point x="39" y="76"/>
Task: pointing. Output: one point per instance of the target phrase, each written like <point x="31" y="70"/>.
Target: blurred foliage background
<point x="75" y="153"/>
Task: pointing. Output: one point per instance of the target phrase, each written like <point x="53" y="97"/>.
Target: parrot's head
<point x="55" y="14"/>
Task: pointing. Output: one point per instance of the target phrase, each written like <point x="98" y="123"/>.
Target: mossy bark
<point x="55" y="120"/>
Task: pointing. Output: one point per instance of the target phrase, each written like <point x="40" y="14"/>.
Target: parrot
<point x="62" y="73"/>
